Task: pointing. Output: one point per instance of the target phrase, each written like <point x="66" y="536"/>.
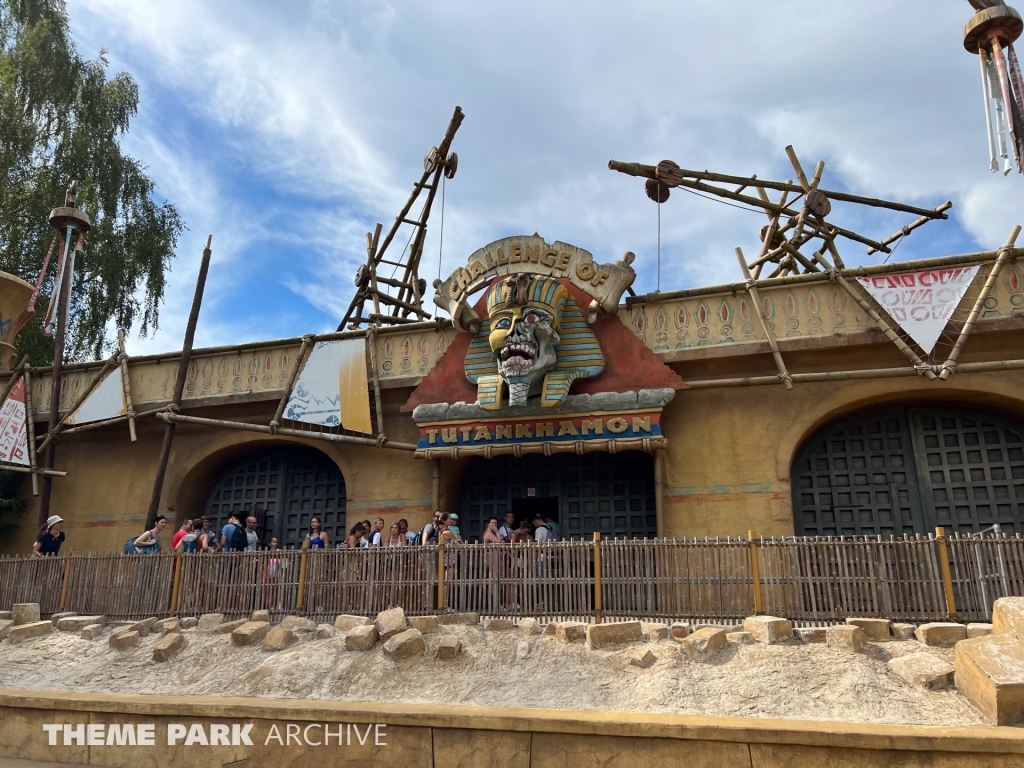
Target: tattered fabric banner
<point x="13" y="436"/>
<point x="921" y="302"/>
<point x="332" y="389"/>
<point x="104" y="402"/>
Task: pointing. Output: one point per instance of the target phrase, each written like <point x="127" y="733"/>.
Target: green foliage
<point x="12" y="509"/>
<point x="61" y="118"/>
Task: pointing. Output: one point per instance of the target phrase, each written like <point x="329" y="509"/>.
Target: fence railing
<point x="807" y="580"/>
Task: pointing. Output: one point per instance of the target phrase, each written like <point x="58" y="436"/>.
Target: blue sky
<point x="287" y="130"/>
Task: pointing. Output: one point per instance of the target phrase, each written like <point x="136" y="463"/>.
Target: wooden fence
<point x="807" y="580"/>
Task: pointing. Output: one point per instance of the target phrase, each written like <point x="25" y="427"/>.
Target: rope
<point x="659" y="237"/>
<point x="440" y="244"/>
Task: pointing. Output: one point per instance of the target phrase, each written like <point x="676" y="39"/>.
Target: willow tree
<point x="62" y="118"/>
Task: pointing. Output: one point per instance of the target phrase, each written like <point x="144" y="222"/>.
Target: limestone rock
<point x="498" y="625"/>
<point x="168" y="626"/>
<point x="613" y="633"/>
<point x="941" y="634"/>
<point x="978" y="630"/>
<point x="361" y="638"/>
<point x="768" y="629"/>
<point x="189" y="622"/>
<point x="703" y="644"/>
<point x="743" y="638"/>
<point x="25" y="613"/>
<point x="1007" y="616"/>
<point x="875" y="630"/>
<point x="146" y="626"/>
<point x="55" y="617"/>
<point x="344" y="623"/>
<point x="990" y="673"/>
<point x="168" y="646"/>
<point x="811" y="634"/>
<point x="469" y="619"/>
<point x="5" y="627"/>
<point x="679" y="630"/>
<point x="210" y="621"/>
<point x="125" y="639"/>
<point x="92" y="631"/>
<point x="643" y="660"/>
<point x="570" y="631"/>
<point x="405" y="644"/>
<point x="656" y="633"/>
<point x="261" y="615"/>
<point x="530" y="626"/>
<point x="250" y="633"/>
<point x="6" y="615"/>
<point x="229" y="626"/>
<point x="449" y="647"/>
<point x="78" y="623"/>
<point x="21" y="632"/>
<point x="390" y="623"/>
<point x="923" y="670"/>
<point x="324" y="631"/>
<point x="550" y="628"/>
<point x="523" y="648"/>
<point x="278" y="638"/>
<point x="423" y="623"/>
<point x="903" y="631"/>
<point x="845" y="638"/>
<point x="298" y="624"/>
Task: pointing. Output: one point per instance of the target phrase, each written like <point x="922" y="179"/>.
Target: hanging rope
<point x="440" y="243"/>
<point x="659" y="238"/>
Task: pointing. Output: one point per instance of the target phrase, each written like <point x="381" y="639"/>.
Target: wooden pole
<point x="659" y="493"/>
<point x="67" y="576"/>
<point x="751" y="284"/>
<point x="755" y="574"/>
<point x="947" y="578"/>
<point x="302" y="577"/>
<point x="441" y="607"/>
<point x="59" y="426"/>
<point x="300" y="363"/>
<point x="177" y="583"/>
<point x="371" y="343"/>
<point x="31" y="424"/>
<point x="16" y="373"/>
<point x="598" y="587"/>
<point x="127" y="384"/>
<point x="435" y="485"/>
<point x="179" y="385"/>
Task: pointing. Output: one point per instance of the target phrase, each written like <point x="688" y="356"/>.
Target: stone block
<point x="743" y="638"/>
<point x="810" y="634"/>
<point x="523" y="648"/>
<point x="990" y="673"/>
<point x="55" y="617"/>
<point x="298" y="624"/>
<point x="77" y="623"/>
<point x="5" y="627"/>
<point x="405" y="645"/>
<point x="941" y="634"/>
<point x="25" y="613"/>
<point x="210" y="621"/>
<point x="324" y="631"/>
<point x="168" y="646"/>
<point x="229" y="626"/>
<point x="875" y="630"/>
<point x="278" y="638"/>
<point x="92" y="631"/>
<point x="6" y="615"/>
<point x="261" y="615"/>
<point x="250" y="633"/>
<point x="978" y="630"/>
<point x="902" y="631"/>
<point x="361" y="638"/>
<point x="147" y="626"/>
<point x="530" y="626"/>
<point x="845" y="638"/>
<point x="423" y="623"/>
<point x="703" y="644"/>
<point x="125" y="639"/>
<point x="345" y="622"/>
<point x="449" y="647"/>
<point x="168" y="627"/>
<point x="550" y="629"/>
<point x="390" y="623"/>
<point x="19" y="633"/>
<point x="189" y="622"/>
<point x="1008" y="616"/>
<point x="643" y="659"/>
<point x="570" y="631"/>
<point x="498" y="625"/>
<point x="923" y="670"/>
<point x="679" y="630"/>
<point x="469" y="619"/>
<point x="656" y="633"/>
<point x="768" y="629"/>
<point x="613" y="633"/>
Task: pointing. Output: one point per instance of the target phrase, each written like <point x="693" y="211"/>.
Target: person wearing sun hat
<point x="453" y="526"/>
<point x="50" y="537"/>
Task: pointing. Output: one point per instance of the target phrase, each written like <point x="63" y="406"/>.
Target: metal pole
<point x="179" y="385"/>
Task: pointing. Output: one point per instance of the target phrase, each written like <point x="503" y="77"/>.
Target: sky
<point x="287" y="130"/>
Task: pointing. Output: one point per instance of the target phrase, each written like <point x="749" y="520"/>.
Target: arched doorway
<point x="910" y="469"/>
<point x="613" y="494"/>
<point x="283" y="487"/>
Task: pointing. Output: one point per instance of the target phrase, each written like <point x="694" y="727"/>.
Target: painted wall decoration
<point x="332" y="389"/>
<point x="13" y="434"/>
<point x="105" y="402"/>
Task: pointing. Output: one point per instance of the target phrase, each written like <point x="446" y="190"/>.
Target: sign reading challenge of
<point x="542" y="363"/>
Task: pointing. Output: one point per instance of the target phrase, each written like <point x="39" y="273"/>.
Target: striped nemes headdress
<point x="578" y="354"/>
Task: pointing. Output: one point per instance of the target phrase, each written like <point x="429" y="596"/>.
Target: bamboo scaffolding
<point x="127" y="385"/>
<point x="52" y="433"/>
<point x="300" y="363"/>
<point x="30" y="423"/>
<point x="751" y="284"/>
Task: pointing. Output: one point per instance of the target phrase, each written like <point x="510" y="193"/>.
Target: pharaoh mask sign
<point x="544" y="326"/>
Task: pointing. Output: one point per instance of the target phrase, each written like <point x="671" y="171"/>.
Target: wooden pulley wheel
<point x="430" y="160"/>
<point x="656" y="191"/>
<point x="451" y="165"/>
<point x="669" y="174"/>
<point x="777" y="239"/>
<point x="422" y="285"/>
<point x="817" y="203"/>
<point x="362" y="278"/>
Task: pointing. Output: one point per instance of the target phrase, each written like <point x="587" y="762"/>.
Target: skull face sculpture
<point x="529" y="319"/>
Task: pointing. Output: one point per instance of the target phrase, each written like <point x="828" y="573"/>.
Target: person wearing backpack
<point x="190" y="542"/>
<point x="148" y="542"/>
<point x="232" y="536"/>
<point x="429" y="533"/>
<point x="542" y="532"/>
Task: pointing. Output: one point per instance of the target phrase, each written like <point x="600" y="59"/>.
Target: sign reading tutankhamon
<point x="542" y="362"/>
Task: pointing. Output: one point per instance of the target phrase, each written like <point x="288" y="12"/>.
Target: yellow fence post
<point x="947" y="577"/>
<point x="440" y="576"/>
<point x="755" y="573"/>
<point x="64" y="586"/>
<point x="597" y="578"/>
<point x="302" y="576"/>
<point x="177" y="582"/>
